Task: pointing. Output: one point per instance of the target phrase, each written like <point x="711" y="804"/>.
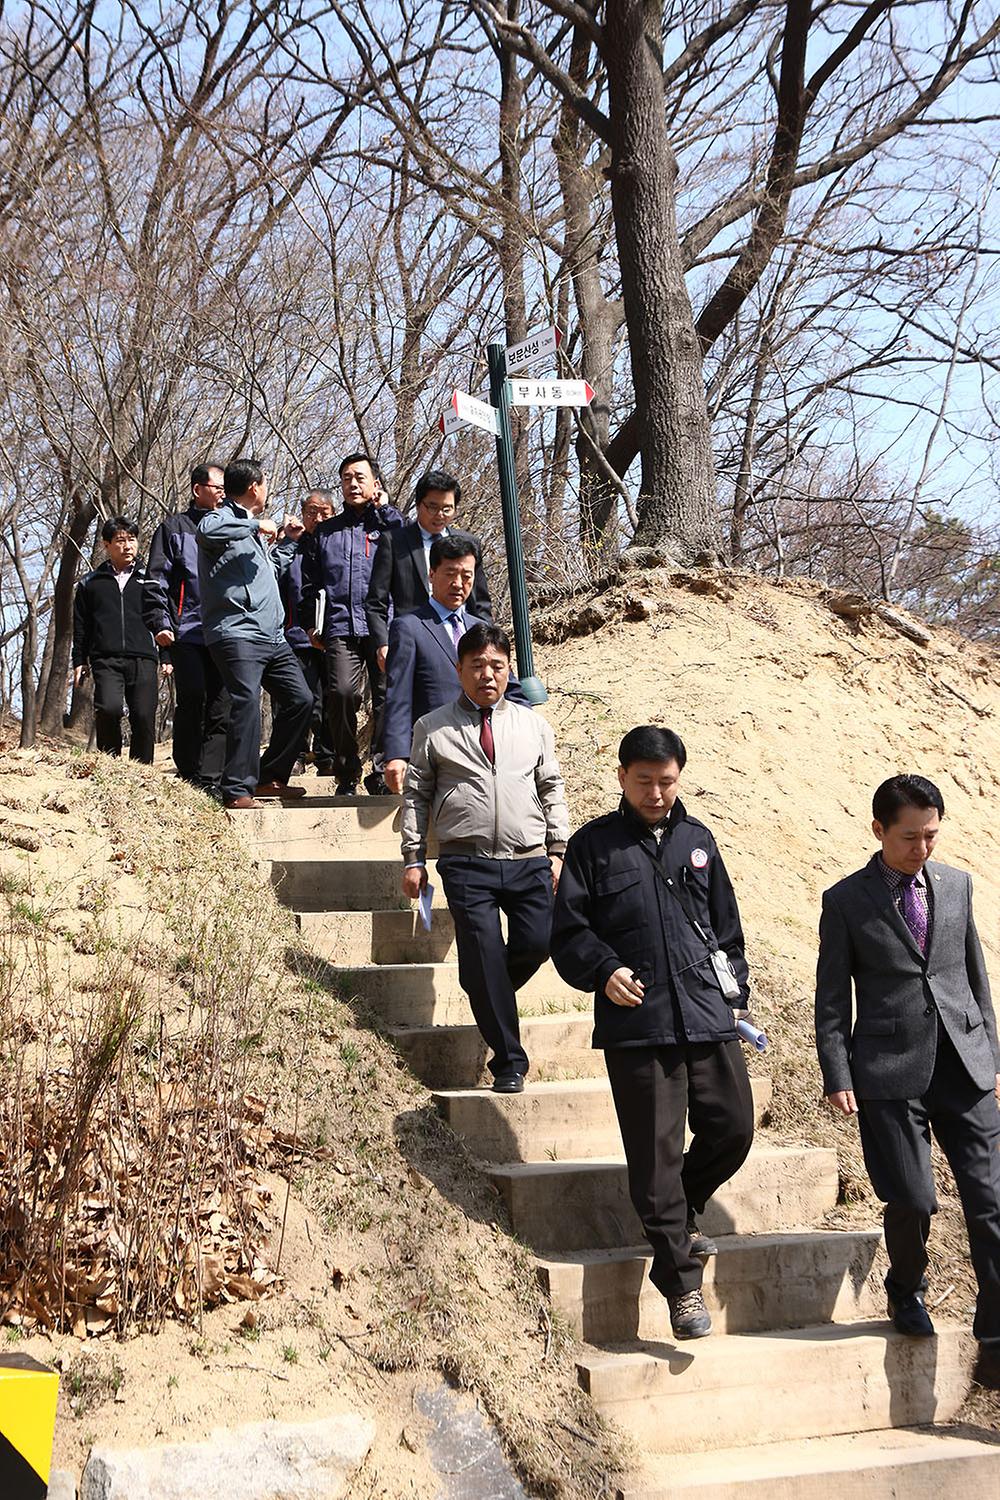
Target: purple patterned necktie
<point x="456" y="628"/>
<point x="913" y="910"/>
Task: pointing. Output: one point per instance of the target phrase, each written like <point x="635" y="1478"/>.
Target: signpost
<point x="542" y="344"/>
<point x="494" y="416"/>
<point x="551" y="393"/>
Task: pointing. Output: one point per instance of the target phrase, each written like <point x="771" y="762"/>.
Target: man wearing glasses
<point x="171" y="609"/>
<point x="400" y="572"/>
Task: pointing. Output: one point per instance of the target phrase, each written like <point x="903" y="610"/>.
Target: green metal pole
<point x="500" y="398"/>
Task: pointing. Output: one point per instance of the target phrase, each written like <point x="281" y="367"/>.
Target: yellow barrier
<point x="28" y="1394"/>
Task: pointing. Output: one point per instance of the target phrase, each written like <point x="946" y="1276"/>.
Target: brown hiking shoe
<point x="689" y="1316"/>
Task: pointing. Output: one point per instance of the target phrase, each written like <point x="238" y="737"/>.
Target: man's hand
<point x="843" y="1102"/>
<point x="316" y="639"/>
<point x="79" y="673"/>
<point x="414" y="880"/>
<point x="267" y="529"/>
<point x="555" y="860"/>
<point x="166" y="669"/>
<point x="622" y="989"/>
<point x="394" y="772"/>
<point x="381" y="656"/>
<point x="291" y="527"/>
<point x="164" y="637"/>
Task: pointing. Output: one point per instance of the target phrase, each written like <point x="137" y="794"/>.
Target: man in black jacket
<point x="643" y="902"/>
<point x="111" y="639"/>
<point x="172" y="609"/>
<point x="400" y="580"/>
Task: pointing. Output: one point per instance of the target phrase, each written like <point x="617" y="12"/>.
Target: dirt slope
<point x="791" y="716"/>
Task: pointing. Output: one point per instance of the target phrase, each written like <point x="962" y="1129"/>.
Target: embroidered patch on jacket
<point x="699" y="859"/>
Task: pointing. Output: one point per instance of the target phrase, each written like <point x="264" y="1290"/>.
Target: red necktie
<point x="486" y="735"/>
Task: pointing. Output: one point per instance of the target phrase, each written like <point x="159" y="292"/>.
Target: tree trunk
<point x="54" y="706"/>
<point x="598" y="320"/>
<point x="29" y="701"/>
<point x="677" y="505"/>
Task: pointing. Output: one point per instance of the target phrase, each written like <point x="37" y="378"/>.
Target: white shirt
<point x="427" y="537"/>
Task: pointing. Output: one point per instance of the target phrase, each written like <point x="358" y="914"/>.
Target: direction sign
<point x="478" y="413"/>
<point x="551" y="393"/>
<point x="449" y="422"/>
<point x="541" y="344"/>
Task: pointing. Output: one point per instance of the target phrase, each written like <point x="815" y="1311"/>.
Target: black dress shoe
<point x="509" y="1083"/>
<point x="375" y="785"/>
<point x="910" y="1316"/>
<point x="346" y="789"/>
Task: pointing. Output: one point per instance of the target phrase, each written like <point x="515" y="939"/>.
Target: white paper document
<point x="424" y="905"/>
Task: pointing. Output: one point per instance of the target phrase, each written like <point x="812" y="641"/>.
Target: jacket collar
<point x="641" y="828"/>
<point x="881" y="896"/>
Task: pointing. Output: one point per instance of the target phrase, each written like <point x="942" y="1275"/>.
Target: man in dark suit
<point x="401" y="570"/>
<point x="423" y="651"/>
<point x="922" y="1054"/>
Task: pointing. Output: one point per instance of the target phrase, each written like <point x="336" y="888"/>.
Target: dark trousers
<point x="349" y="659"/>
<point x="120" y="682"/>
<point x="657" y="1090"/>
<point x="317" y="736"/>
<point x="201" y="715"/>
<point x="896" y="1140"/>
<point x="491" y="971"/>
<point x="246" y="667"/>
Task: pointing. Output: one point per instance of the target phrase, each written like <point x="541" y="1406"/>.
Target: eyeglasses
<point x="438" y="510"/>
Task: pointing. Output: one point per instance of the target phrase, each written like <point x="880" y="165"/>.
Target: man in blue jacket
<point x="643" y="901"/>
<point x="171" y="608"/>
<point x="244" y="624"/>
<point x="337" y="569"/>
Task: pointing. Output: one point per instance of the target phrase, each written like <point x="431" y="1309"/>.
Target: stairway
<point x="803" y="1389"/>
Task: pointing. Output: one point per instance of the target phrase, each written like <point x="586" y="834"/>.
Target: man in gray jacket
<point x="922" y="1054"/>
<point x="243" y="621"/>
<point x="486" y="770"/>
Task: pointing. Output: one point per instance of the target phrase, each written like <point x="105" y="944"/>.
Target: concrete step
<point x="345" y="884"/>
<point x="323" y="827"/>
<point x="430" y="994"/>
<point x="378" y="937"/>
<point x="564" y="1120"/>
<point x="752" y="1388"/>
<point x="898" y="1463"/>
<point x="755" y="1283"/>
<point x="558" y="1046"/>
<point x="584" y="1205"/>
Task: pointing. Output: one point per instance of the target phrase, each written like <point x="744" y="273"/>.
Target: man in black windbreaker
<point x="643" y="902"/>
<point x="111" y="641"/>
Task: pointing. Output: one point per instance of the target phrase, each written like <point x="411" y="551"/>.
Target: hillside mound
<point x="152" y="981"/>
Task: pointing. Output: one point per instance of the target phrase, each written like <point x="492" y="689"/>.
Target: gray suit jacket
<point x="898" y="993"/>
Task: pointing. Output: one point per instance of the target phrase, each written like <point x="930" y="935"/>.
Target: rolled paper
<point x="752" y="1035"/>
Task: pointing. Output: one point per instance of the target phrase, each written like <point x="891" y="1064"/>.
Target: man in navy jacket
<point x="337" y="569"/>
<point x="317" y="507"/>
<point x="643" y="901"/>
<point x="422" y="670"/>
<point x="171" y="607"/>
<point x="244" y="624"/>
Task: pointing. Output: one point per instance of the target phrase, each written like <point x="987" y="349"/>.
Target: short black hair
<point x="650" y="742"/>
<point x="437" y="479"/>
<point x="240" y="475"/>
<point x="478" y="637"/>
<point x="111" y="528"/>
<point x="200" y="473"/>
<point x="361" y="458"/>
<point x="450" y="549"/>
<point x="904" y="791"/>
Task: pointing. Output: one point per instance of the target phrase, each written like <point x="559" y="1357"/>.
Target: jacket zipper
<point x="121" y="606"/>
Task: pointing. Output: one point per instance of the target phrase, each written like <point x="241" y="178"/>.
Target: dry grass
<point x="174" y="983"/>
